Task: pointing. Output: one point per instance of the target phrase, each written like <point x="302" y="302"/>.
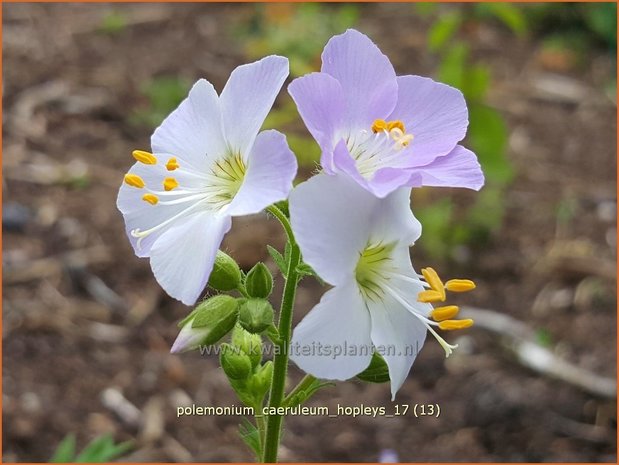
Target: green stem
<point x="306" y="382"/>
<point x="261" y="425"/>
<point x="280" y="362"/>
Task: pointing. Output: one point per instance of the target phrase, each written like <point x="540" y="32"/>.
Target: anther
<point x="432" y="278"/>
<point x="144" y="157"/>
<point x="430" y="296"/>
<point x="134" y="180"/>
<point x="450" y="325"/>
<point x="379" y="125"/>
<point x="460" y="285"/>
<point x="172" y="164"/>
<point x="444" y="313"/>
<point x="396" y="124"/>
<point x="151" y="198"/>
<point x="170" y="183"/>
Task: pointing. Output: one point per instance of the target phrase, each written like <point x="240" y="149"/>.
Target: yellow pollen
<point x="144" y="157"/>
<point x="172" y="164"/>
<point x="460" y="285"/>
<point x="379" y="125"/>
<point x="430" y="296"/>
<point x="396" y="124"/>
<point x="450" y="325"/>
<point x="431" y="277"/>
<point x="444" y="313"/>
<point x="170" y="183"/>
<point x="134" y="180"/>
<point x="150" y="198"/>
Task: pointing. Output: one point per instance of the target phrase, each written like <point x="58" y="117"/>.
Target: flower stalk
<point x="280" y="362"/>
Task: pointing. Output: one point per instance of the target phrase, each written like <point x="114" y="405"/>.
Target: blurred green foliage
<point x="446" y="227"/>
<point x="297" y="31"/>
<point x="163" y="94"/>
<point x="113" y="22"/>
<point x="588" y="24"/>
<point x="100" y="450"/>
<point x="286" y="118"/>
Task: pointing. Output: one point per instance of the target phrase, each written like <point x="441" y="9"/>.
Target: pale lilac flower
<point x="359" y="244"/>
<point x="209" y="164"/>
<point x="384" y="131"/>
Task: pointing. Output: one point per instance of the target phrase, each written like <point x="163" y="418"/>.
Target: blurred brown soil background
<point x="87" y="330"/>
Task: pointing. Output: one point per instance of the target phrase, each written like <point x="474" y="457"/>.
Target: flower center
<point x="374" y="273"/>
<point x="371" y="269"/>
<point x="378" y="148"/>
<point x="212" y="190"/>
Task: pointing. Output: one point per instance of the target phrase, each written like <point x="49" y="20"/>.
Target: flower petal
<point x="247" y="98"/>
<point x="393" y="221"/>
<point x="141" y="215"/>
<point x="330" y="219"/>
<point x="271" y="169"/>
<point x="387" y="180"/>
<point x="192" y="132"/>
<point x="182" y="258"/>
<point x="459" y="168"/>
<point x="365" y="74"/>
<point x="320" y="101"/>
<point x="333" y="340"/>
<point x="434" y="113"/>
<point x="398" y="336"/>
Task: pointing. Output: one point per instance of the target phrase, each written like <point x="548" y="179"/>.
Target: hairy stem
<point x="280" y="362"/>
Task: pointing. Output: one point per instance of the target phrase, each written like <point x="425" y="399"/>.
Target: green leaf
<point x="308" y="392"/>
<point x="102" y="449"/>
<point x="278" y="258"/>
<point x="443" y="30"/>
<point x="251" y="436"/>
<point x="65" y="452"/>
<point x="377" y="371"/>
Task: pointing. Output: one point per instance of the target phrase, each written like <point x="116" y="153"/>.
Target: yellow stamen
<point x="172" y="164"/>
<point x="170" y="183"/>
<point x="134" y="180"/>
<point x="430" y="296"/>
<point x="396" y="124"/>
<point x="144" y="157"/>
<point x="431" y="277"/>
<point x="460" y="285"/>
<point x="151" y="198"/>
<point x="444" y="313"/>
<point x="450" y="325"/>
<point x="379" y="125"/>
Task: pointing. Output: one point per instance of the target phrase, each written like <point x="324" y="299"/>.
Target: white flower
<point x="360" y="244"/>
<point x="209" y="164"/>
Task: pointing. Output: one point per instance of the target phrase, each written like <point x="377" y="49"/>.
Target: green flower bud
<point x="207" y="324"/>
<point x="376" y="372"/>
<point x="234" y="362"/>
<point x="260" y="381"/>
<point x="226" y="274"/>
<point x="259" y="282"/>
<point x="250" y="344"/>
<point x="255" y="315"/>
